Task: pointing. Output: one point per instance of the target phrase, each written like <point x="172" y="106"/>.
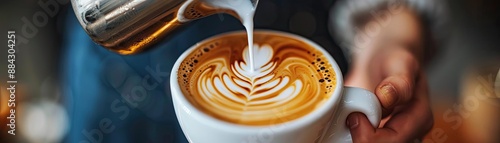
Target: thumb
<point x="395" y="90"/>
<point x="396" y="87"/>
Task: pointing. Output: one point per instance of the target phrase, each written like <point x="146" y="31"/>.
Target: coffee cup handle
<point x="353" y="100"/>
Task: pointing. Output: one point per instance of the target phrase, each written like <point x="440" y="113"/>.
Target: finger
<point x="398" y="85"/>
<point x="416" y="119"/>
<point x="411" y="123"/>
<point x="393" y="91"/>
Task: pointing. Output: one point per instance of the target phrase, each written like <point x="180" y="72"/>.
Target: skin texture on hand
<point x="390" y="66"/>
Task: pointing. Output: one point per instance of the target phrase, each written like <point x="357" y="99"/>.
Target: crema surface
<point x="290" y="79"/>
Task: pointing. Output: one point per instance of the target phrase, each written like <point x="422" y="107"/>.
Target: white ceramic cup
<point x="326" y="124"/>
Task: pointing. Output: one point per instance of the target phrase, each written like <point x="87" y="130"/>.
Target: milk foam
<point x="290" y="79"/>
<point x="259" y="87"/>
<point x="246" y="11"/>
<point x="247" y="79"/>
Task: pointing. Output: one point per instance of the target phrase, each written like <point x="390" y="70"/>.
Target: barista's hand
<point x="404" y="97"/>
<point x="390" y="66"/>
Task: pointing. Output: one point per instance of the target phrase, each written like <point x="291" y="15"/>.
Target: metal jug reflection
<point x="131" y="26"/>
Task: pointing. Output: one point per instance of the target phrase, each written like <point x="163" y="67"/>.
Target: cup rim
<point x="306" y="120"/>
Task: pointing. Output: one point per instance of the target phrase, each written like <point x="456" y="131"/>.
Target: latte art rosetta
<point x="284" y="85"/>
<point x="248" y="89"/>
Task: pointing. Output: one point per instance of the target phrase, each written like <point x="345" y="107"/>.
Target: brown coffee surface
<point x="291" y="79"/>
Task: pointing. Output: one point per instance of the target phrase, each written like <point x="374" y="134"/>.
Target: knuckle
<point x="409" y="57"/>
<point x="406" y="85"/>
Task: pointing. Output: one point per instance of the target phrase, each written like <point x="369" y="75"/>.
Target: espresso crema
<point x="290" y="79"/>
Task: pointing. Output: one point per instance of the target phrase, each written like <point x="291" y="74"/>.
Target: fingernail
<point x="352" y="121"/>
<point x="388" y="92"/>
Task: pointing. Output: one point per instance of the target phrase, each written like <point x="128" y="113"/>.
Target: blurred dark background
<point x="465" y="67"/>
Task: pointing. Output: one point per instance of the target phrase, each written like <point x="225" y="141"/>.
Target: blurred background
<point x="53" y="63"/>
